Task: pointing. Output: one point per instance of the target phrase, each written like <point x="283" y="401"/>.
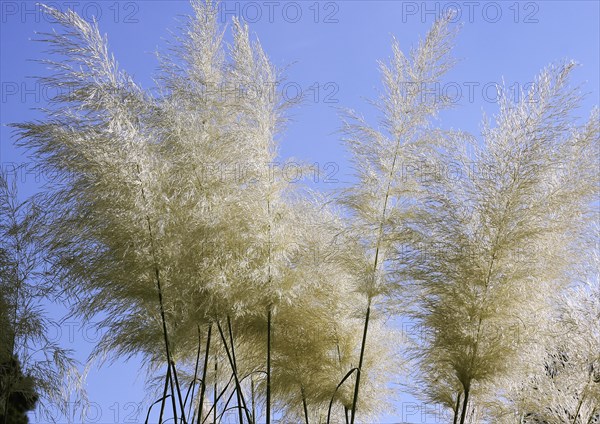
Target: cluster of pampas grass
<point x="502" y="239"/>
<point x="559" y="378"/>
<point x="246" y="292"/>
<point x="193" y="266"/>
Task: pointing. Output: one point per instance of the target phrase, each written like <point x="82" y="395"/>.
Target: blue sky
<point x="331" y="49"/>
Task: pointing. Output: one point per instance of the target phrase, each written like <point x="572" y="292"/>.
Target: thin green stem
<point x="204" y="369"/>
<point x="234" y="367"/>
<point x="164" y="397"/>
<point x="360" y="362"/>
<point x="253" y="399"/>
<point x="216" y="399"/>
<point x="592" y="415"/>
<point x="160" y="297"/>
<point x="304" y="405"/>
<point x="231" y="358"/>
<point x="376" y="262"/>
<point x="268" y="407"/>
<point x="456" y="408"/>
<point x="193" y="384"/>
<point x="181" y="404"/>
<point x="348" y="374"/>
<point x="463" y="415"/>
<point x="152" y="406"/>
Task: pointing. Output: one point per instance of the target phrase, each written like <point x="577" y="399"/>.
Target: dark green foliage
<point x="21" y="392"/>
<point x="17" y="390"/>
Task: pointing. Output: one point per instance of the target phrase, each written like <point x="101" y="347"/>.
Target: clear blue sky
<point x="332" y="47"/>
